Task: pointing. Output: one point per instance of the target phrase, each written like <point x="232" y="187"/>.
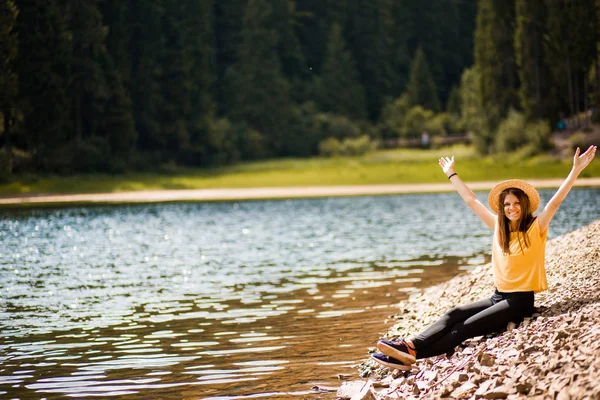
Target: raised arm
<point x="488" y="218"/>
<point x="579" y="164"/>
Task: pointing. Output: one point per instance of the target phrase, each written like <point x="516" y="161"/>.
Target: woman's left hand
<point x="583" y="160"/>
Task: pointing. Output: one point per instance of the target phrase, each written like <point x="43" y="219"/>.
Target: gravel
<point x="552" y="355"/>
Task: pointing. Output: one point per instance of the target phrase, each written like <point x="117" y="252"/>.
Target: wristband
<point x="452" y="175"/>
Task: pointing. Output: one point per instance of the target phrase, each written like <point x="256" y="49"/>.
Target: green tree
<point x="8" y="73"/>
<point x="400" y="23"/>
<point x="416" y="121"/>
<point x="175" y="78"/>
<point x="529" y="48"/>
<point x="365" y="35"/>
<point x="288" y="45"/>
<point x="116" y="122"/>
<point x="421" y="88"/>
<point x="200" y="40"/>
<point x="145" y="49"/>
<point x="339" y="90"/>
<point x="453" y="104"/>
<point x="45" y="47"/>
<point x="571" y="52"/>
<point x="228" y="17"/>
<point x="115" y="15"/>
<point x="88" y="35"/>
<point x="495" y="59"/>
<point x="314" y="21"/>
<point x="472" y="113"/>
<point x="260" y="91"/>
<point x="443" y="29"/>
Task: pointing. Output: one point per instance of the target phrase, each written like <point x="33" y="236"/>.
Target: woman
<point x="517" y="264"/>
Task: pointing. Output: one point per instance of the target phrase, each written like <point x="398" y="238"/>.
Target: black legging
<point x="475" y="319"/>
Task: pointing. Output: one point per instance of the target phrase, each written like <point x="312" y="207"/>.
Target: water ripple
<point x="222" y="300"/>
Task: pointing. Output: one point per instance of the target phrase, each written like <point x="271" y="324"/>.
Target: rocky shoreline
<point x="553" y="355"/>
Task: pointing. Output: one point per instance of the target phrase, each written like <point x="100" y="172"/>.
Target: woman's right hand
<point x="447" y="165"/>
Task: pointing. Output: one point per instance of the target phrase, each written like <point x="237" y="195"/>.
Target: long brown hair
<point x="524" y="222"/>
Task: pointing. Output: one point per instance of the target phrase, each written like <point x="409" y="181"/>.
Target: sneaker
<point x="398" y="349"/>
<point x="390" y="362"/>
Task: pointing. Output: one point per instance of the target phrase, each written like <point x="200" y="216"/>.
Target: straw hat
<point x="494" y="197"/>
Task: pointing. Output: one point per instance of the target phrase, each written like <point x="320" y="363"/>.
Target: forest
<point x="121" y="85"/>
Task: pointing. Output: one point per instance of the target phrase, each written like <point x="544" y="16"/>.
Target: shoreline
<point x="554" y="354"/>
<point x="259" y="193"/>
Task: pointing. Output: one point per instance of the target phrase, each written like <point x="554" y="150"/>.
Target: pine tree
<point x="421" y="88"/>
<point x="453" y="104"/>
<point x="339" y="90"/>
<point x="316" y="17"/>
<point x="495" y="59"/>
<point x="472" y="113"/>
<point x="571" y="52"/>
<point x="365" y="35"/>
<point x="114" y="15"/>
<point x="175" y="79"/>
<point x="88" y="35"/>
<point x="145" y="49"/>
<point x="45" y="47"/>
<point x="288" y="46"/>
<point x="8" y="73"/>
<point x="400" y="30"/>
<point x="203" y="74"/>
<point x="443" y="29"/>
<point x="116" y="122"/>
<point x="529" y="48"/>
<point x="228" y="16"/>
<point x="260" y="91"/>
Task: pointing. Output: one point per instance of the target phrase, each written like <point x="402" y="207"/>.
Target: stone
<point x="563" y="395"/>
<point x="524" y="387"/>
<point x="366" y="393"/>
<point x="553" y="354"/>
<point x="497" y="393"/>
<point x="349" y="389"/>
<point x="487" y="360"/>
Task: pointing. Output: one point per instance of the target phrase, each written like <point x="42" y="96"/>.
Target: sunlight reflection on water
<point x="222" y="300"/>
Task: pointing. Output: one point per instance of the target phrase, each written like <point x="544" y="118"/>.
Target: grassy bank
<point x="381" y="167"/>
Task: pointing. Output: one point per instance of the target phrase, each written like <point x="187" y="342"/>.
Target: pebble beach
<point x="555" y="354"/>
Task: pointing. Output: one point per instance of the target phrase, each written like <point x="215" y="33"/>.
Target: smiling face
<point x="514" y="215"/>
<point x="512" y="207"/>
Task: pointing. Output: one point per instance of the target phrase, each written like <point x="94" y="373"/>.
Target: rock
<point x="524" y="387"/>
<point x="497" y="393"/>
<point x="487" y="360"/>
<point x="484" y="387"/>
<point x="366" y="393"/>
<point x="385" y="382"/>
<point x="445" y="392"/>
<point x="324" y="389"/>
<point x="465" y="388"/>
<point x="349" y="389"/>
<point x="430" y="376"/>
<point x="563" y="395"/>
<point x="553" y="354"/>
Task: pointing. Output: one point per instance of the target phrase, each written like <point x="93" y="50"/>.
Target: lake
<point x="256" y="299"/>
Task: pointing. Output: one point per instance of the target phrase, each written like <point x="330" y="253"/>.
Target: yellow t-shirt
<point x="521" y="270"/>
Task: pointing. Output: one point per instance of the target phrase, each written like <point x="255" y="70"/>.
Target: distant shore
<point x="554" y="354"/>
<point x="259" y="193"/>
